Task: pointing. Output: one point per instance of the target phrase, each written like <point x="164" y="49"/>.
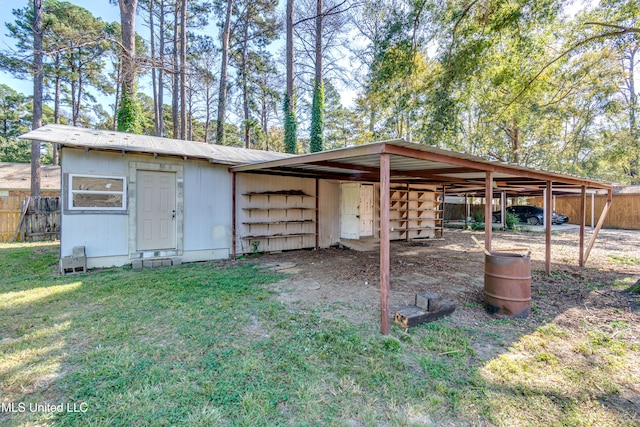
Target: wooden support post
<point x="233" y="215"/>
<point x="503" y="208"/>
<point x="488" y="210"/>
<point x="317" y="214"/>
<point x="583" y="222"/>
<point x="407" y="213"/>
<point x="547" y="221"/>
<point x="442" y="207"/>
<point x="466" y="210"/>
<point x="385" y="267"/>
<point x="603" y="216"/>
<point x="593" y="210"/>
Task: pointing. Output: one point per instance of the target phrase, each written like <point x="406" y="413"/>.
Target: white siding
<point x="329" y="212"/>
<point x="102" y="235"/>
<point x="207" y="206"/>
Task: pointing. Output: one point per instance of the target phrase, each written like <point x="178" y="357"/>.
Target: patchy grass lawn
<point x="209" y="344"/>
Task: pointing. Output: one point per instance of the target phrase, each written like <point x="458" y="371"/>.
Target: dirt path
<point x="343" y="282"/>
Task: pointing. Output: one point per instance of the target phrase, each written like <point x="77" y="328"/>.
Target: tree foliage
<point x="316" y="142"/>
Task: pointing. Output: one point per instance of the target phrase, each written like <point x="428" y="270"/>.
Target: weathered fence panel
<point x="9" y="217"/>
<point x="41" y="219"/>
<point x="624" y="213"/>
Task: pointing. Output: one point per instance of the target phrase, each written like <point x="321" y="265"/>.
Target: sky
<point x="100" y="8"/>
<point x="110" y="12"/>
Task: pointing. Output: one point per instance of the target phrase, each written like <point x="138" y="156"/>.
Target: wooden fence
<point x="40" y="220"/>
<point x="624" y="213"/>
<point x="9" y="217"/>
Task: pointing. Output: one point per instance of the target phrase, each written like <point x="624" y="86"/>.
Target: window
<point x="98" y="193"/>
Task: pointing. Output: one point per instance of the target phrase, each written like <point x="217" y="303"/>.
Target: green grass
<point x="209" y="344"/>
<point x="624" y="259"/>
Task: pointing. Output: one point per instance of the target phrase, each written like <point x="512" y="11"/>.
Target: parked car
<point x="531" y="215"/>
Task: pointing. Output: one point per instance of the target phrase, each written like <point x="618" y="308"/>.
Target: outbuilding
<point x="132" y="197"/>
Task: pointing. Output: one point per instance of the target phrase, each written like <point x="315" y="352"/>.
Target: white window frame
<point x="123" y="193"/>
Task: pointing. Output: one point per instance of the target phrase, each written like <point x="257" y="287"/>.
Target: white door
<point x="349" y="211"/>
<point x="156" y="223"/>
<point x="366" y="210"/>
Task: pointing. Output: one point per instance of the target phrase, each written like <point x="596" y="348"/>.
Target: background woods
<point x="545" y="84"/>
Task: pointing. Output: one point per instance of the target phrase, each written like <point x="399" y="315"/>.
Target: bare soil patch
<point x="343" y="282"/>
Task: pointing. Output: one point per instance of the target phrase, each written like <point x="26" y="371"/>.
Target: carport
<point x="399" y="161"/>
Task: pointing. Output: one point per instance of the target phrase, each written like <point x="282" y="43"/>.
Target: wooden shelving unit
<point x="279" y="220"/>
<point x="416" y="213"/>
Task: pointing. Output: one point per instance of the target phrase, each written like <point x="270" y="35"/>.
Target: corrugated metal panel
<point x="118" y="141"/>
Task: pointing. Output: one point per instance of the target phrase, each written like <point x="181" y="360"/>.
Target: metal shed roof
<point x="411" y="162"/>
<point x="92" y="139"/>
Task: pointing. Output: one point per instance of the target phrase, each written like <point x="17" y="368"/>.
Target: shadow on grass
<point x="207" y="344"/>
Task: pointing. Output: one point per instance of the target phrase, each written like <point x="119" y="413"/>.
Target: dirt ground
<point x="347" y="281"/>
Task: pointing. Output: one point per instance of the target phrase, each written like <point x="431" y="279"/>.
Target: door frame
<point x="178" y="170"/>
<point x="372" y="201"/>
<point x="342" y="216"/>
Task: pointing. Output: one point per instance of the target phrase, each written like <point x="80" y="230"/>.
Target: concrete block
<point x="166" y="262"/>
<point x="176" y="261"/>
<point x="136" y="264"/>
<point x="78" y="251"/>
<point x="70" y="265"/>
<point x="428" y="301"/>
<point x="147" y="263"/>
<point x="157" y="263"/>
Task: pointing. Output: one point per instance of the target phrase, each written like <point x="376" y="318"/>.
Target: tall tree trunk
<point x="290" y="123"/>
<point x="128" y="25"/>
<point x="318" y="47"/>
<point x="245" y="83"/>
<point x="222" y="94"/>
<point x="161" y="72"/>
<point x="634" y="166"/>
<point x="317" y="114"/>
<point x="183" y="71"/>
<point x="116" y="104"/>
<point x="36" y="121"/>
<point x="289" y="52"/>
<point x="56" y="108"/>
<point x="175" y="77"/>
<point x="152" y="42"/>
<point x="207" y="118"/>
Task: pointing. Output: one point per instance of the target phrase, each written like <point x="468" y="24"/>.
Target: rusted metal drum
<point x="507" y="284"/>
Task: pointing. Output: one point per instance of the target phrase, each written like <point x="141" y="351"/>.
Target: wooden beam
<point x="233" y="215"/>
<point x="385" y="266"/>
<point x="308" y="173"/>
<point x="488" y="210"/>
<point x="547" y="223"/>
<point x="603" y="217"/>
<point x="477" y="165"/>
<point x="360" y="150"/>
<point x="347" y="166"/>
<point x="583" y="222"/>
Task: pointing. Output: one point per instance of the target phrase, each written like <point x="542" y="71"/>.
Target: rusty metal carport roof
<point x="410" y="162"/>
<point x="399" y="161"/>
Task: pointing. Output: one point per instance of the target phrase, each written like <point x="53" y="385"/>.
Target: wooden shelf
<point x="279" y="209"/>
<point x="278" y="236"/>
<point x="304" y="221"/>
<point x="405" y="229"/>
<point x="410" y="204"/>
<point x="414" y="219"/>
<point x="300" y="194"/>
